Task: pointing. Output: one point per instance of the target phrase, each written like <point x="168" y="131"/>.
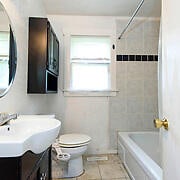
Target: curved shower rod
<point x="129" y="22"/>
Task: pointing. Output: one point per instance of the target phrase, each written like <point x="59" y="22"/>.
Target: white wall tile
<point x="134" y="45"/>
<point x="150" y="70"/>
<point x="150" y="45"/>
<point x="151" y="28"/>
<point x="135" y="29"/>
<point x="139" y="81"/>
<point x="148" y="121"/>
<point x="141" y="37"/>
<point x="150" y="87"/>
<point x="135" y="121"/>
<point x="135" y="105"/>
<point x="134" y="88"/>
<point x="151" y="104"/>
<point x="135" y="70"/>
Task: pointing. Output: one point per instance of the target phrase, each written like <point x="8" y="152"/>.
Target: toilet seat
<point x="74" y="140"/>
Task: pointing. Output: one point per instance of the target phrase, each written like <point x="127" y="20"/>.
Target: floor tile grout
<point x="99" y="168"/>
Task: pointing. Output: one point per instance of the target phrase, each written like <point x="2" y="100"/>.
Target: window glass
<point x="90" y="58"/>
<point x="90" y="76"/>
<point x="91" y="47"/>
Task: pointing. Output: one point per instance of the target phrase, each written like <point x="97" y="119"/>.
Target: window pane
<point x="89" y="76"/>
<point x="90" y="47"/>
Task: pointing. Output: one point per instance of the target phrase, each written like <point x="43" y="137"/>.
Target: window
<point x="90" y="63"/>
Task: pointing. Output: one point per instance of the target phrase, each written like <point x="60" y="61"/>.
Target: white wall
<point x="4" y="26"/>
<point x="100" y="117"/>
<point x="87" y="115"/>
<point x="17" y="99"/>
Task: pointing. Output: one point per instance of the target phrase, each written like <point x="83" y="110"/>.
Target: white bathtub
<point x="140" y="153"/>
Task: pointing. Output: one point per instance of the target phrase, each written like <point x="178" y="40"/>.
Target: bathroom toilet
<point x="75" y="145"/>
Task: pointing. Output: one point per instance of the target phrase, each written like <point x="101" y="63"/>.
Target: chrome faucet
<point x="5" y="117"/>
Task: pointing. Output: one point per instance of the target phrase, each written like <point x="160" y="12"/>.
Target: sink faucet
<point x="5" y="117"/>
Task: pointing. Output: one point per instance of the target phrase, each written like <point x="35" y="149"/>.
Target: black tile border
<point x="144" y="58"/>
<point x="137" y="57"/>
<point x="125" y="57"/>
<point x="132" y="57"/>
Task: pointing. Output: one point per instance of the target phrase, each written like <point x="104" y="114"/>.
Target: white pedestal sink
<point x="28" y="132"/>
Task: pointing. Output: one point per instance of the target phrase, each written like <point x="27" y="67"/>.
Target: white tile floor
<point x="111" y="169"/>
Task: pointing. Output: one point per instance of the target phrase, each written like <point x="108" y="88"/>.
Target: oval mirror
<point x="8" y="53"/>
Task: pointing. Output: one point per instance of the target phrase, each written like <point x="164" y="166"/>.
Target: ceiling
<point x="150" y="8"/>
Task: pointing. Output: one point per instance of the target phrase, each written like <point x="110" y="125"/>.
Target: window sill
<point x="90" y="93"/>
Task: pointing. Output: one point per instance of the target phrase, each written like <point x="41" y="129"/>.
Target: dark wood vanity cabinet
<point x="43" y="57"/>
<point x="30" y="166"/>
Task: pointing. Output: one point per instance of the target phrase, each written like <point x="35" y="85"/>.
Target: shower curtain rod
<point x="129" y="22"/>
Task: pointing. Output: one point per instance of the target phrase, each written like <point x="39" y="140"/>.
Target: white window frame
<point x="112" y="68"/>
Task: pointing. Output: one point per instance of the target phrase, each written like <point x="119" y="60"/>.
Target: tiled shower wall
<point x="141" y="37"/>
<point x="136" y="103"/>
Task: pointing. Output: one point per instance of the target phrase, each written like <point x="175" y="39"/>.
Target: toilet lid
<point x="74" y="139"/>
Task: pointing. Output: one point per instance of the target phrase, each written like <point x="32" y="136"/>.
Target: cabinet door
<point x="56" y="55"/>
<point x="50" y="48"/>
<point x="37" y="55"/>
<point x="10" y="169"/>
<point x="53" y="51"/>
<point x="34" y="175"/>
<point x="45" y="166"/>
<point x="29" y="162"/>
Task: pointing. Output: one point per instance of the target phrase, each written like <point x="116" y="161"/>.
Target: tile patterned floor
<point x="111" y="169"/>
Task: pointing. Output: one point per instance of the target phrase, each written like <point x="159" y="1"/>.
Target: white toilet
<point x="75" y="145"/>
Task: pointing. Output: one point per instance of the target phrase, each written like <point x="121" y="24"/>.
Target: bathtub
<point x="140" y="154"/>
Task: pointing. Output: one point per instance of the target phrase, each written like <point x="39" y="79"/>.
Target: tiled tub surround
<point x="136" y="103"/>
<point x="97" y="170"/>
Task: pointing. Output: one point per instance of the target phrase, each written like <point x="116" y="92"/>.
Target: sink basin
<point x="28" y="132"/>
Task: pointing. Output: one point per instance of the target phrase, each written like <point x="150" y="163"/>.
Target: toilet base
<point x="74" y="168"/>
